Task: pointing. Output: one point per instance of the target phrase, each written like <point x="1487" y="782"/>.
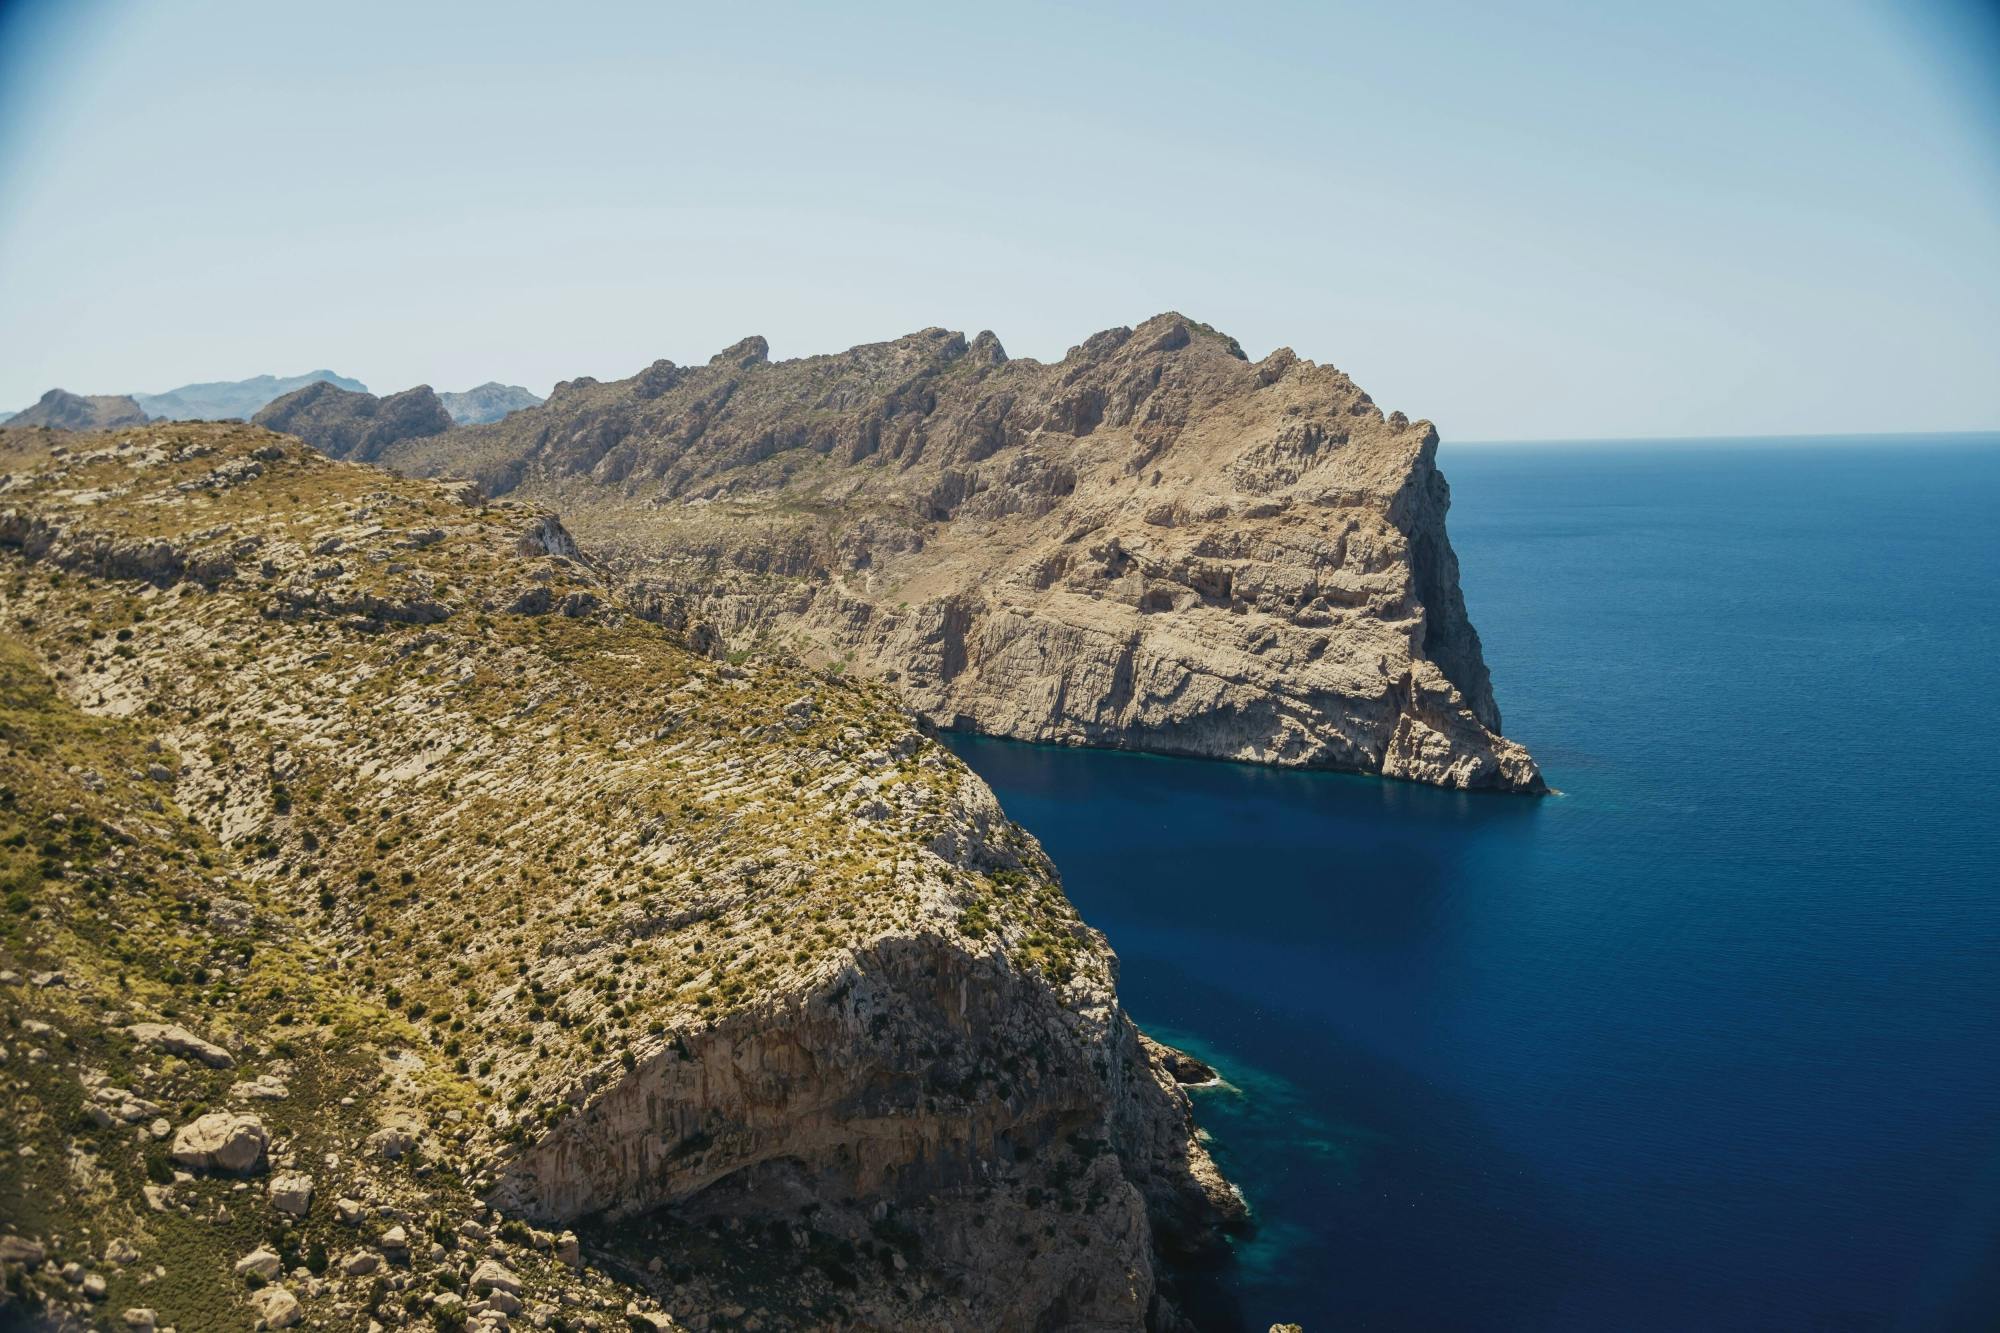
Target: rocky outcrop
<point x="357" y="426"/>
<point x="59" y="409"/>
<point x="489" y="402"/>
<point x="1152" y="544"/>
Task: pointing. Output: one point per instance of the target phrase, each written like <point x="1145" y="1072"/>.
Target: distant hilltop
<point x="60" y="409"/>
<point x="489" y="402"/>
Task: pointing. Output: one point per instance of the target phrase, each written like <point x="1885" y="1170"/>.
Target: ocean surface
<point x="1709" y="1041"/>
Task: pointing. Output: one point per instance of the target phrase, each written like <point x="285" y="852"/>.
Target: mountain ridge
<point x="222" y="400"/>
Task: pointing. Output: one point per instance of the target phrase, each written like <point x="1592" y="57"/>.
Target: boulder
<point x="20" y="1250"/>
<point x="277" y="1307"/>
<point x="292" y="1194"/>
<point x="391" y="1143"/>
<point x="360" y="1263"/>
<point x="263" y="1261"/>
<point x="230" y="1141"/>
<point x="179" y="1041"/>
<point x="492" y="1275"/>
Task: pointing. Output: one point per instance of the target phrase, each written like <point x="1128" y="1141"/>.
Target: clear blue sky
<point x="1529" y="220"/>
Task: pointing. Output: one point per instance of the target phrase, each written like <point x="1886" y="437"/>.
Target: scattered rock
<point x="264" y="1087"/>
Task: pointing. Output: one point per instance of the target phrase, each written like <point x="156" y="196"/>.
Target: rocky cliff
<point x="488" y="402"/>
<point x="59" y="409"/>
<point x="351" y="425"/>
<point x="362" y="844"/>
<point x="1154" y="543"/>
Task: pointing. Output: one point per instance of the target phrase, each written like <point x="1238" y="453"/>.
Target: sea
<point x="1708" y="1041"/>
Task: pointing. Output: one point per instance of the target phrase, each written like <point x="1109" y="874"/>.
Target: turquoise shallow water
<point x="1711" y="1041"/>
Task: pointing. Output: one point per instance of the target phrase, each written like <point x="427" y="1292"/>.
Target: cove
<point x="1709" y="1040"/>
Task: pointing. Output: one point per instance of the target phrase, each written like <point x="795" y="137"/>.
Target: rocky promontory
<point x="1154" y="543"/>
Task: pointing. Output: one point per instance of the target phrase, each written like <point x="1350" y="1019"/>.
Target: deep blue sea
<point x="1711" y="1040"/>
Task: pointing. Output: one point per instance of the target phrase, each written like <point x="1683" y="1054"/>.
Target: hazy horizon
<point x="1553" y="223"/>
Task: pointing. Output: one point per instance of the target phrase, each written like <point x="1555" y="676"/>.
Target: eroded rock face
<point x="1151" y="544"/>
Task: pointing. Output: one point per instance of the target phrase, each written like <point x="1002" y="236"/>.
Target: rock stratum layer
<point x="1152" y="544"/>
<point x="360" y="842"/>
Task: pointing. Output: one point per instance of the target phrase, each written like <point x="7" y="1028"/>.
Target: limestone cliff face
<point x="726" y="965"/>
<point x="1152" y="544"/>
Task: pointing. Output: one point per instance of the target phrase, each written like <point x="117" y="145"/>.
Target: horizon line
<point x="1858" y="437"/>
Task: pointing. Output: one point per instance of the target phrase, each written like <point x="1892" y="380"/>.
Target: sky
<point x="1521" y="221"/>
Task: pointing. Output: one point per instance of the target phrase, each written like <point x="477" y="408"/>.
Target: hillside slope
<point x="365" y="811"/>
<point x="1152" y="544"/>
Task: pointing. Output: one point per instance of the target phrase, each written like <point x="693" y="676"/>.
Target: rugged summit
<point x="351" y="425"/>
<point x="223" y="400"/>
<point x="60" y="409"/>
<point x="488" y="402"/>
<point x="362" y="845"/>
<point x="1153" y="543"/>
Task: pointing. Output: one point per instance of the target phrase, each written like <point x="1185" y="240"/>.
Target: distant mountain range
<point x="227" y="400"/>
<point x="489" y="402"/>
<point x="224" y="400"/>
